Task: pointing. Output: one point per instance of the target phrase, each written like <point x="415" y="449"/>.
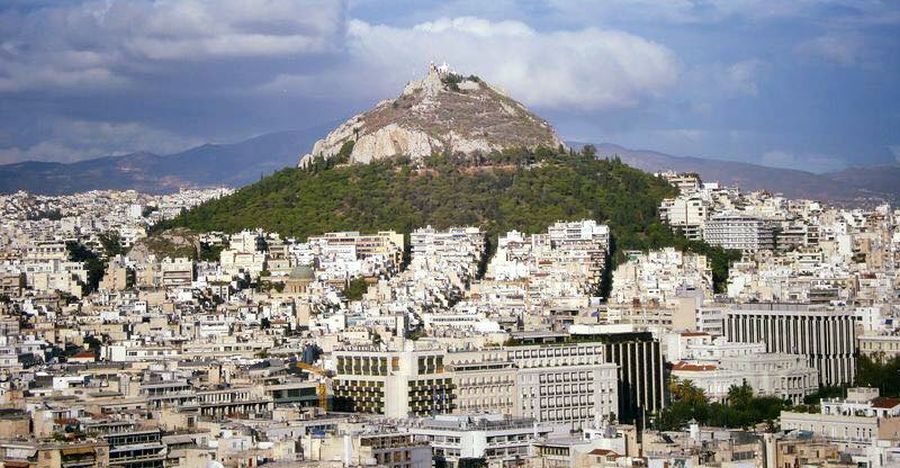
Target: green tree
<point x="95" y="266"/>
<point x="112" y="244"/>
<point x="356" y="289"/>
<point x="740" y="396"/>
<point x="520" y="189"/>
<point x="880" y="372"/>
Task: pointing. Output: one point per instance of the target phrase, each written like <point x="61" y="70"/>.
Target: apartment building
<point x="685" y="182"/>
<point x="686" y="214"/>
<point x="564" y="385"/>
<point x="177" y="271"/>
<point x="367" y="446"/>
<point x="500" y="440"/>
<point x="396" y="384"/>
<point x="484" y="381"/>
<point x="559" y="384"/>
<point x="857" y="421"/>
<point x="583" y="244"/>
<point x="462" y="243"/>
<point x="737" y="231"/>
<point x="387" y="243"/>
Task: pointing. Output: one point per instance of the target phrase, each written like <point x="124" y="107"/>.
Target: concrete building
<point x="880" y="347"/>
<point x="500" y="440"/>
<point x="396" y="384"/>
<point x="853" y="423"/>
<point x="688" y="215"/>
<point x="739" y="232"/>
<point x="483" y="382"/>
<point x="387" y="243"/>
<point x="563" y="385"/>
<point x="177" y="271"/>
<point x="366" y="446"/>
<point x="825" y="336"/>
<point x="639" y="358"/>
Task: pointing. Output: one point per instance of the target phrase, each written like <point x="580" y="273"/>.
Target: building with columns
<point x="824" y="335"/>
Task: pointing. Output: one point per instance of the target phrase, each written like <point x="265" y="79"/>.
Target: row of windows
<point x="558" y="351"/>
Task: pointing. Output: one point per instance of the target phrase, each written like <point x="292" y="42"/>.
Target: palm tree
<point x="687" y="392"/>
<point x="740" y="396"/>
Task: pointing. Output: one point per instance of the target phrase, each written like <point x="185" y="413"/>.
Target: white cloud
<point x="74" y="140"/>
<point x="842" y="50"/>
<point x="581" y="69"/>
<point x="100" y="43"/>
<point x="713" y="11"/>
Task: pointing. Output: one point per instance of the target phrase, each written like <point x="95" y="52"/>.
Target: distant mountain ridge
<point x="234" y="164"/>
<point x="855" y="185"/>
<point x="244" y="162"/>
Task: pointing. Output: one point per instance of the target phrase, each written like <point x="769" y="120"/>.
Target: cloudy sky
<point x="811" y="84"/>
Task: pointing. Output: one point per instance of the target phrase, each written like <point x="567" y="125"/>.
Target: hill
<point x="852" y="186"/>
<point x="208" y="165"/>
<point x="876" y="180"/>
<point x="443" y="112"/>
<point x="517" y="189"/>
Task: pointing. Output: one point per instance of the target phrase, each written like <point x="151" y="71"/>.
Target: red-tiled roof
<point x="603" y="452"/>
<point x="84" y="355"/>
<point x="885" y="402"/>
<point x="686" y="366"/>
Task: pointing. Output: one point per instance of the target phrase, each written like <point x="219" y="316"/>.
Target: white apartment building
<point x="562" y="385"/>
<point x="685" y="182"/>
<point x="385" y="243"/>
<point x="736" y="231"/>
<point x="855" y="422"/>
<point x="662" y="277"/>
<point x="498" y="439"/>
<point x="461" y="243"/>
<point x="825" y="336"/>
<point x="568" y="260"/>
<point x="686" y="214"/>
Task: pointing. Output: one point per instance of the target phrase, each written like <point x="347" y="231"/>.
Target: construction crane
<point x="321" y="388"/>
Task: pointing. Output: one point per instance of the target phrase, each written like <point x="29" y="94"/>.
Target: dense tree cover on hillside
<point x="523" y="190"/>
<point x="740" y="409"/>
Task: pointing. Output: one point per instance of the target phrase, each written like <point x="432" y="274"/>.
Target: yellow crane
<point x="321" y="388"/>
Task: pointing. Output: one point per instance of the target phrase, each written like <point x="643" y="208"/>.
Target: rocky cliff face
<point x="442" y="112"/>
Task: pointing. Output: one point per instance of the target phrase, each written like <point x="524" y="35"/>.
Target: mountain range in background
<point x="208" y="165"/>
<point x="244" y="162"/>
<point x="850" y="186"/>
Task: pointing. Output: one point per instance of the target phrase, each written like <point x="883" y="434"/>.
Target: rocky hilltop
<point x="444" y="111"/>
